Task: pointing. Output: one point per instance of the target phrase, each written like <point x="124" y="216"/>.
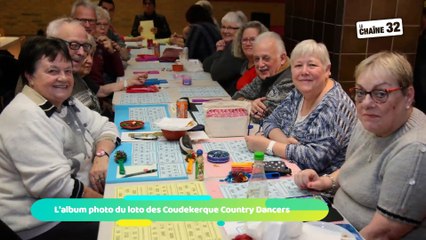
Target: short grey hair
<point x="310" y="47"/>
<point x="237" y="17"/>
<point x="391" y="64"/>
<point x="84" y="3"/>
<point x="279" y="43"/>
<point x="102" y="14"/>
<point x="237" y="50"/>
<point x="52" y="29"/>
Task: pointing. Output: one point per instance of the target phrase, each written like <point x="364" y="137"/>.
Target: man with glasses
<point x="76" y="37"/>
<point x="84" y="11"/>
<point x="161" y="27"/>
<point x="107" y="53"/>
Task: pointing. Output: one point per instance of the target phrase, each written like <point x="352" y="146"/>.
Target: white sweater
<point x="45" y="154"/>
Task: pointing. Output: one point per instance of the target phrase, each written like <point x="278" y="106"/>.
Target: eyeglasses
<point x="378" y="95"/>
<point x="248" y="40"/>
<point x="76" y="46"/>
<point x="229" y="28"/>
<point x="86" y="20"/>
<point x="102" y="25"/>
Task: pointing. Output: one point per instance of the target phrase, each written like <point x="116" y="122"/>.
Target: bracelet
<point x="333" y="188"/>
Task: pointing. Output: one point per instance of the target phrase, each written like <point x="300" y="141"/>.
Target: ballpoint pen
<point x="139" y="173"/>
<point x="145" y="136"/>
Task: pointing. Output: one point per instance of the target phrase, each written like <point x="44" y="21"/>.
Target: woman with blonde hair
<point x="223" y="66"/>
<point x="312" y="125"/>
<point x="380" y="187"/>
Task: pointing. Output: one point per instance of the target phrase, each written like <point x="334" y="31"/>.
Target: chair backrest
<point x="9" y="74"/>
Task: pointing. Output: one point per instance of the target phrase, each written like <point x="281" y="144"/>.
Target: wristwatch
<point x="269" y="150"/>
<point x="102" y="153"/>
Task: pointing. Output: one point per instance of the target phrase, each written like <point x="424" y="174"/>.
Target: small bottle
<point x="257" y="187"/>
<point x="199" y="165"/>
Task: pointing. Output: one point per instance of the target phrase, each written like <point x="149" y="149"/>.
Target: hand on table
<point x="309" y="179"/>
<point x="137" y="79"/>
<point x="257" y="143"/>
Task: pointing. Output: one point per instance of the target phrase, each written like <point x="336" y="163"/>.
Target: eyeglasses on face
<point x="248" y="40"/>
<point x="86" y="20"/>
<point x="229" y="28"/>
<point x="76" y="46"/>
<point x="102" y="25"/>
<point x="378" y="95"/>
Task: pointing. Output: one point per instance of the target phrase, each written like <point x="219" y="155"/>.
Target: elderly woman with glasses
<point x="51" y="145"/>
<point x="223" y="66"/>
<point x="381" y="187"/>
<point x="242" y="47"/>
<point x="312" y="125"/>
<point x="107" y="60"/>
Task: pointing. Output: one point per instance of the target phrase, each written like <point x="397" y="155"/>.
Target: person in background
<point x="419" y="81"/>
<point x="312" y="125"/>
<point x="242" y="47"/>
<point x="273" y="81"/>
<point x="109" y="5"/>
<point x="84" y="12"/>
<point x="107" y="64"/>
<point x="103" y="24"/>
<point x="222" y="65"/>
<point x="202" y="33"/>
<point x="51" y="145"/>
<point x="106" y="89"/>
<point x="380" y="187"/>
<point x="161" y="27"/>
<point x="209" y="7"/>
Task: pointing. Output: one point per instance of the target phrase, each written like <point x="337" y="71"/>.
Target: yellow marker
<point x="134" y="223"/>
<point x="189" y="166"/>
<point x="241" y="165"/>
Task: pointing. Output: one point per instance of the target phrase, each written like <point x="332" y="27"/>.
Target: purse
<point x="277" y="166"/>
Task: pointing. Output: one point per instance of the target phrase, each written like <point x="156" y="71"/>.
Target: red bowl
<point x="173" y="135"/>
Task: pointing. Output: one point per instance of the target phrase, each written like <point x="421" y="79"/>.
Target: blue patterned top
<point x="323" y="135"/>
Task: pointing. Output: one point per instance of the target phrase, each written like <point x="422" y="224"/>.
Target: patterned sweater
<point x="274" y="94"/>
<point x="323" y="135"/>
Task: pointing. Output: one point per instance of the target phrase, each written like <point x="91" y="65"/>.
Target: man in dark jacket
<point x="161" y="27"/>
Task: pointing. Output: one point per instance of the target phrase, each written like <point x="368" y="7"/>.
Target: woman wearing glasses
<point x="312" y="125"/>
<point x="223" y="66"/>
<point x="381" y="185"/>
<point x="242" y="47"/>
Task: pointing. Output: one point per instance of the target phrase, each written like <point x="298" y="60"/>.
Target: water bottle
<point x="257" y="185"/>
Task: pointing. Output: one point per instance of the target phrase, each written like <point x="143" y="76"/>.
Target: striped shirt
<point x="323" y="135"/>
